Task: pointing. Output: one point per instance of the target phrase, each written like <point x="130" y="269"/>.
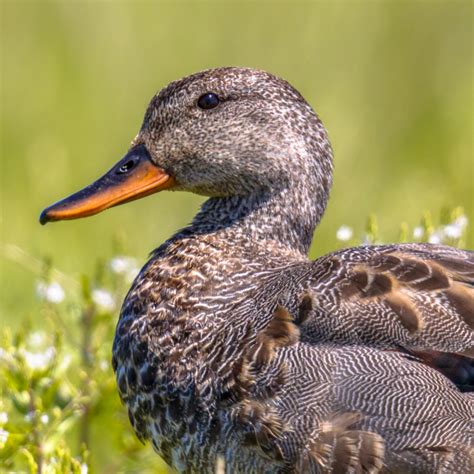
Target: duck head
<point x="224" y="133"/>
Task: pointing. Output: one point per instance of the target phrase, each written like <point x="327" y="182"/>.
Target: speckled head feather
<point x="262" y="142"/>
<point x="263" y="136"/>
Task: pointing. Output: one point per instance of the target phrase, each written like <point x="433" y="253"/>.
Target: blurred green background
<point x="392" y="81"/>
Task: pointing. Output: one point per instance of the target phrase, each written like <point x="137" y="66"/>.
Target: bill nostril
<point x="126" y="167"/>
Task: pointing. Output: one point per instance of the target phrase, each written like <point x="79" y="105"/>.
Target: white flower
<point x="64" y="362"/>
<point x="122" y="264"/>
<point x="453" y="231"/>
<point x="103" y="299"/>
<point x="6" y="356"/>
<point x="3" y="418"/>
<point x="461" y="221"/>
<point x="418" y="232"/>
<point x="132" y="273"/>
<point x="126" y="266"/>
<point x="44" y="419"/>
<point x="39" y="360"/>
<point x="456" y="228"/>
<point x="84" y="468"/>
<point x="436" y="238"/>
<point x="344" y="233"/>
<point x="3" y="437"/>
<point x="37" y="339"/>
<point x="52" y="292"/>
<point x="104" y="365"/>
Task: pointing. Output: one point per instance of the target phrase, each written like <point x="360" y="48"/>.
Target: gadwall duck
<point x="232" y="347"/>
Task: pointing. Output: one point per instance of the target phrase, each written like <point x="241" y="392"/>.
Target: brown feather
<point x="437" y="280"/>
<point x="262" y="427"/>
<point x="409" y="316"/>
<point x="378" y="285"/>
<point x="305" y="308"/>
<point x="462" y="298"/>
<point x="280" y="332"/>
<point x="411" y="270"/>
<point x="340" y="449"/>
<point x="458" y="267"/>
<point x="371" y="452"/>
<point x="385" y="262"/>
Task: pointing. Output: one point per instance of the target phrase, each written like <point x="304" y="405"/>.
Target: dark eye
<point x="208" y="101"/>
<point x="126" y="167"/>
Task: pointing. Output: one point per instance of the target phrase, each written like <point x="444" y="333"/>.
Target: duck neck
<point x="286" y="218"/>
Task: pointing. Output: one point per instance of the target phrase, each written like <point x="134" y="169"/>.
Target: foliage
<point x="57" y="386"/>
<point x="58" y="392"/>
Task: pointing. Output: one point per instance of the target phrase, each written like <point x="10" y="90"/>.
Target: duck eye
<point x="126" y="167"/>
<point x="208" y="101"/>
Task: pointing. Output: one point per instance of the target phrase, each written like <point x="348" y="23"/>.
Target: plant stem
<point x="87" y="360"/>
<point x="36" y="438"/>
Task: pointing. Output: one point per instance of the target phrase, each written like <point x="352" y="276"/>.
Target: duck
<point x="233" y="348"/>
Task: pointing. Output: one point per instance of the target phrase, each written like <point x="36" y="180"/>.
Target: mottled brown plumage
<point x="232" y="345"/>
<point x="416" y="296"/>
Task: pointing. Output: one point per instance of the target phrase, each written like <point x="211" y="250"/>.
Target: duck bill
<point x="133" y="177"/>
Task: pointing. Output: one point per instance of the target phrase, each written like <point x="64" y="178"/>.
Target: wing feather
<point x="418" y="296"/>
